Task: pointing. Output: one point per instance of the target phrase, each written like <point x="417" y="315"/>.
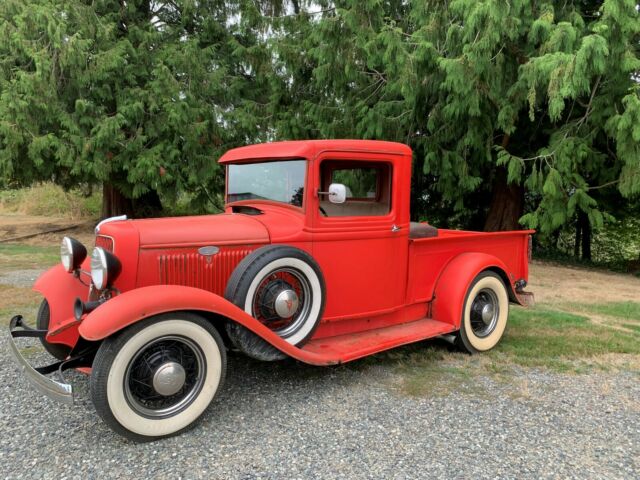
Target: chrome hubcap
<point x="286" y="303"/>
<point x="165" y="376"/>
<point x="169" y="378"/>
<point x="485" y="311"/>
<point x="282" y="301"/>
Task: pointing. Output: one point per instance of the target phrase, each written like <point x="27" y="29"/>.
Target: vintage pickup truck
<point x="314" y="258"/>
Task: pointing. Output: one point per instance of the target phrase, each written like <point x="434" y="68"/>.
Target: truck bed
<point x="428" y="256"/>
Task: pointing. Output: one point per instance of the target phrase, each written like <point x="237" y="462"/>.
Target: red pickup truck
<point x="314" y="258"/>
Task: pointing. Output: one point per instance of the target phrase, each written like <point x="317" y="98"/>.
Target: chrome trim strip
<point x="62" y="392"/>
<point x="107" y="220"/>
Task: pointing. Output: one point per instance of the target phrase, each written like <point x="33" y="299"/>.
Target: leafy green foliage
<point x="146" y="95"/>
<point x="139" y="94"/>
<point x="546" y="90"/>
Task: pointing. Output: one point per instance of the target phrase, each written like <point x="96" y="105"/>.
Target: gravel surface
<point x="20" y="278"/>
<point x="287" y="420"/>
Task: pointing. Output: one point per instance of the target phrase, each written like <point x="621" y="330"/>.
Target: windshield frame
<point x="265" y="200"/>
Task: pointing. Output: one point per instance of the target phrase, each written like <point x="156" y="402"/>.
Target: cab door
<point x="362" y="244"/>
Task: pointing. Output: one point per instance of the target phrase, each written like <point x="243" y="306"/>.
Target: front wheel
<point x="485" y="312"/>
<point x="156" y="378"/>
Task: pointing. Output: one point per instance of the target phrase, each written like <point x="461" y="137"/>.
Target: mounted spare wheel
<point x="283" y="288"/>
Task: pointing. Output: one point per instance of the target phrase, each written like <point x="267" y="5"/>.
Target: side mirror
<point x="337" y="193"/>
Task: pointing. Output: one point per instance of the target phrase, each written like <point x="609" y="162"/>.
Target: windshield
<point x="281" y="181"/>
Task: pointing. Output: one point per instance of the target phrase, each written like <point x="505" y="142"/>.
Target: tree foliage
<point x="142" y="95"/>
<point x="521" y="103"/>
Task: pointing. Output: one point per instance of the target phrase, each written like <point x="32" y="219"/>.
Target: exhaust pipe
<point x="80" y="307"/>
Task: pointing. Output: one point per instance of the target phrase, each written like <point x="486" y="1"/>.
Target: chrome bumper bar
<point x="61" y="391"/>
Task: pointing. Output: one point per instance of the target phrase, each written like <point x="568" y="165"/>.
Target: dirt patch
<point x="17" y="297"/>
<point x="12" y="226"/>
<point x="555" y="284"/>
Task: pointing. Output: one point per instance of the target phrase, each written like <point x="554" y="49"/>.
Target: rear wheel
<point x="485" y="313"/>
<point x="156" y="378"/>
<point x="58" y="350"/>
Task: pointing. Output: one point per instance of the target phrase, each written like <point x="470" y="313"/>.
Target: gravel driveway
<point x="288" y="420"/>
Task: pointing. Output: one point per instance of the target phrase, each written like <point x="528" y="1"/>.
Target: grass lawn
<point x="19" y="256"/>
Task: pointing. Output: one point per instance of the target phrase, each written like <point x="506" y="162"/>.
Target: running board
<point x="344" y="348"/>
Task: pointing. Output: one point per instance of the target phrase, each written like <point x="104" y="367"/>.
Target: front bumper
<point x="58" y="390"/>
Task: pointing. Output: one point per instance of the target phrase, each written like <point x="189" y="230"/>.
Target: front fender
<point x="60" y="289"/>
<point x="453" y="283"/>
<point x="140" y="303"/>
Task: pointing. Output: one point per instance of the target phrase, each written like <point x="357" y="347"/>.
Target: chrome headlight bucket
<point x="105" y="268"/>
<point x="72" y="254"/>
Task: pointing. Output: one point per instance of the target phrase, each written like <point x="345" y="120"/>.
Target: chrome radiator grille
<point x="104" y="242"/>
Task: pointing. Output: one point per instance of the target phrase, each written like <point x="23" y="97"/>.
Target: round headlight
<point x="72" y="254"/>
<point x="105" y="268"/>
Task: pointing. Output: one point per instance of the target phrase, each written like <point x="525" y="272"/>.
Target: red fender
<point x="61" y="288"/>
<point x="454" y="281"/>
<point x="135" y="305"/>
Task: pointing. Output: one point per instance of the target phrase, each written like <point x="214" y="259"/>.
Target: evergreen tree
<point x="519" y="112"/>
<point x="141" y="95"/>
<point x="507" y="104"/>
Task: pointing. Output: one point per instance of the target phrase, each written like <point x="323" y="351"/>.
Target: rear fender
<point x="60" y="289"/>
<point x="455" y="279"/>
<point x="135" y="305"/>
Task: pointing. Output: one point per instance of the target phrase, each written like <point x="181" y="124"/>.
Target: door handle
<point x="395" y="228"/>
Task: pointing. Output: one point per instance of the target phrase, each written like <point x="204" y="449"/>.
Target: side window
<point x="368" y="187"/>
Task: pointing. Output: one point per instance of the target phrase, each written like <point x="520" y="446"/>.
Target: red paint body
<point x="383" y="289"/>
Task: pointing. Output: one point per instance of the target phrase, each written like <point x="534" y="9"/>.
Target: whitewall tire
<point x="283" y="288"/>
<point x="156" y="378"/>
<point x="484" y="314"/>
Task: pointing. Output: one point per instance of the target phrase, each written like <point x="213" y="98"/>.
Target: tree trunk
<point x="576" y="245"/>
<point x="148" y="205"/>
<point x="507" y="204"/>
<point x="586" y="235"/>
<point x="114" y="203"/>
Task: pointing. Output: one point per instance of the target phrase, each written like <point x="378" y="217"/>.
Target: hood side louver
<point x="195" y="270"/>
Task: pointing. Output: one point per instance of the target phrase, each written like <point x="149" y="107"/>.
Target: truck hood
<point x="221" y="229"/>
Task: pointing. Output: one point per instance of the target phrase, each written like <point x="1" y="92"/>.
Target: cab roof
<point x="310" y="148"/>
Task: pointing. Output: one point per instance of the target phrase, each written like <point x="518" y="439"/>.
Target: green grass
<point x="625" y="310"/>
<point x="18" y="256"/>
<point x="556" y="340"/>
